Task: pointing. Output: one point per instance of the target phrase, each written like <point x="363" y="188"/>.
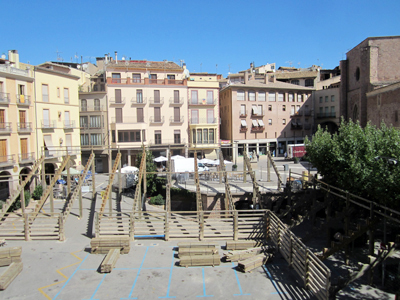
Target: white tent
<point x="72" y="172"/>
<point x="226" y="162"/>
<point x="177" y="157"/>
<point x="129" y="169"/>
<point x="160" y="159"/>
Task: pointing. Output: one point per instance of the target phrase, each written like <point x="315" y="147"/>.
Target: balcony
<point x="24" y="127"/>
<point x="49" y="124"/>
<point x="194" y="121"/>
<point x="12" y="70"/>
<point x="117" y="102"/>
<point x="176" y="101"/>
<point x="257" y="128"/>
<point x="326" y="115"/>
<point x="296" y="125"/>
<point x="4" y="98"/>
<point x="26" y="157"/>
<point x="5" y="128"/>
<point x="167" y="142"/>
<point x="69" y="124"/>
<point x="176" y="120"/>
<point x="138" y="101"/>
<point x="203" y="144"/>
<point x="154" y="120"/>
<point x="257" y="114"/>
<point x="90" y="126"/>
<point x="145" y="81"/>
<point x="243" y="128"/>
<point x="156" y="102"/>
<point x="203" y="102"/>
<point x="127" y="120"/>
<point x="89" y="108"/>
<point x="23" y="100"/>
<point x="295" y="114"/>
<point x="7" y="160"/>
<point x="243" y="114"/>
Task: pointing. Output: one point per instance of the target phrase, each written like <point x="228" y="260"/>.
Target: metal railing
<point x="242" y="114"/>
<point x="326" y="115"/>
<point x="159" y="101"/>
<point x="167" y="141"/>
<point x="203" y="121"/>
<point x="24" y="127"/>
<point x="155" y="120"/>
<point x="4" y="98"/>
<point x="128" y="120"/>
<point x="202" y="101"/>
<point x="91" y="108"/>
<point x="49" y="124"/>
<point x="5" y="127"/>
<point x="176" y="101"/>
<point x="138" y="101"/>
<point x="6" y="160"/>
<point x="69" y="124"/>
<point x="26" y="157"/>
<point x="23" y="99"/>
<point x="177" y="119"/>
<point x="114" y="101"/>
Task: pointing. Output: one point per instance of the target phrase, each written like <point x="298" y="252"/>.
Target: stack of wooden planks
<point x="109" y="262"/>
<point x="11" y="257"/>
<point x="240" y="245"/>
<point x="198" y="254"/>
<point x="105" y="244"/>
<point x="237" y="255"/>
<point x="253" y="262"/>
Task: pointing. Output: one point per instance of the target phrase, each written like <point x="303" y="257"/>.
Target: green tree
<point x="359" y="160"/>
<point x="150" y="167"/>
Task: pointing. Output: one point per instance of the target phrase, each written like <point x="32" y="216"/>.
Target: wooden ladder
<point x="197" y="183"/>
<point x="228" y="195"/>
<point x="137" y="200"/>
<point x="107" y="192"/>
<point x="17" y="192"/>
<point x="49" y="188"/>
<point x="275" y="169"/>
<point x="78" y="187"/>
<point x="256" y="189"/>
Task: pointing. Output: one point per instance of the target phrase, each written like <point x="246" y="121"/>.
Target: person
<point x="285" y="155"/>
<point x="258" y="157"/>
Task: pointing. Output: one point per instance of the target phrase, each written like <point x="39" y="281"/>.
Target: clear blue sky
<point x="230" y="34"/>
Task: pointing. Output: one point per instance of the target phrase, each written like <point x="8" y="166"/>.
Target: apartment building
<point x="257" y="116"/>
<point x="147" y="106"/>
<point x="57" y="114"/>
<point x="17" y="137"/>
<point x="372" y="64"/>
<point x="203" y="112"/>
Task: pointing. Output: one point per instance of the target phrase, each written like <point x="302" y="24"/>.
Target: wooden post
<point x="68" y="178"/>
<point x="119" y="179"/>
<point x="201" y="225"/>
<point x="244" y="168"/>
<point x="26" y="227"/>
<point x="51" y="200"/>
<point x="306" y="273"/>
<point x="131" y="226"/>
<point x="166" y="227"/>
<point x="96" y="225"/>
<point x="267" y="225"/>
<point x="61" y="227"/>
<point x="22" y="198"/>
<point x="289" y="188"/>
<point x="80" y="203"/>
<point x="93" y="177"/>
<point x="268" y="167"/>
<point x="43" y="174"/>
<point x="235" y="225"/>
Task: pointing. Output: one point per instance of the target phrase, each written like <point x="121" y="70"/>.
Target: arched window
<point x="96" y="104"/>
<point x="240" y="95"/>
<point x="83" y="105"/>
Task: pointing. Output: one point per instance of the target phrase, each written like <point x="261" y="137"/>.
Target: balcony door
<point x="117" y="96"/>
<point x="67" y="121"/>
<point x="177" y="114"/>
<point x="118" y="115"/>
<point x="46" y="118"/>
<point x="24" y="149"/>
<point x="2" y="119"/>
<point x="3" y="150"/>
<point x="22" y="119"/>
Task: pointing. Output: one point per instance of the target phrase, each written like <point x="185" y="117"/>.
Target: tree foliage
<point x="150" y="167"/>
<point x="359" y="160"/>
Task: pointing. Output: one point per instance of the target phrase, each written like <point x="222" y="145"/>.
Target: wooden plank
<point x="10" y="252"/>
<point x="200" y="260"/>
<point x="197" y="245"/>
<point x="196" y="251"/>
<point x="251" y="263"/>
<point x="240" y="245"/>
<point x="10" y="274"/>
<point x="110" y="260"/>
<point x="6" y="261"/>
<point x="242" y="254"/>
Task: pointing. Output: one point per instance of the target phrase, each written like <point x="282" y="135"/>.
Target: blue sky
<point x="210" y="36"/>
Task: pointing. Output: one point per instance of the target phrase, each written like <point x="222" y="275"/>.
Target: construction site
<point x="270" y="228"/>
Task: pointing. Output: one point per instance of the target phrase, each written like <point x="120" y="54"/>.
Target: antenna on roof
<point x="59" y="58"/>
<point x="290" y="63"/>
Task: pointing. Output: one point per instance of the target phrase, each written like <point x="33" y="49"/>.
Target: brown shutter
<point x="118" y="115"/>
<point x="139" y="112"/>
<point x="177" y="114"/>
<point x="157" y="114"/>
<point x="176" y="96"/>
<point x="3" y="150"/>
<point x="156" y="96"/>
<point x="117" y="96"/>
<point x="24" y="148"/>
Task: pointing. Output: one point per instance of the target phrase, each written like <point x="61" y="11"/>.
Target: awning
<point x="261" y="123"/>
<point x="49" y="145"/>
<point x="255" y="124"/>
<point x="294" y="123"/>
<point x="255" y="110"/>
<point x="243" y="123"/>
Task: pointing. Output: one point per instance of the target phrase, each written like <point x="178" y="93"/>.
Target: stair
<point x="109" y="186"/>
<point x="275" y="168"/>
<point x="256" y="194"/>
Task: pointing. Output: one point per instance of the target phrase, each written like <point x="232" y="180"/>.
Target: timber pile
<point x="10" y="255"/>
<point x="197" y="245"/>
<point x="253" y="262"/>
<point x="198" y="254"/>
<point x="109" y="262"/>
<point x="197" y="251"/>
<point x="10" y="274"/>
<point x="240" y="245"/>
<point x="105" y="244"/>
<point x="242" y="254"/>
<point x="200" y="260"/>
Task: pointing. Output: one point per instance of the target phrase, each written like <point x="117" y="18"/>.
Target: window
<point x="84" y="139"/>
<point x="58" y="92"/>
<point x="321" y="111"/>
<point x="332" y="111"/>
<point x="210" y="97"/>
<point x="199" y="136"/>
<point x="136" y="78"/>
<point x="24" y="148"/>
<point x="205" y="136"/>
<point x="283" y="107"/>
<point x="295" y="81"/>
<point x="67" y="122"/>
<point x="95" y="122"/>
<point x="118" y="98"/>
<point x="211" y="136"/>
<point x="269" y="107"/>
<point x="22" y="119"/>
<point x="297" y="109"/>
<point x="83" y="121"/>
<point x="271" y="97"/>
<point x="177" y="136"/>
<point x="194" y="116"/>
<point x="283" y="121"/>
<point x="281" y="97"/>
<point x="320" y="99"/>
<point x="261" y="96"/>
<point x="177" y="114"/>
<point x="127" y="136"/>
<point x="139" y="96"/>
<point x="139" y="115"/>
<point x="326" y="98"/>
<point x="153" y="78"/>
<point x="194" y="136"/>
<point x="299" y="98"/>
<point x="156" y="96"/>
<point x="240" y="95"/>
<point x="66" y="95"/>
<point x="252" y="96"/>
<point x="171" y="79"/>
<point x="45" y="93"/>
<point x="357" y="74"/>
<point x="254" y="110"/>
<point x="96" y="104"/>
<point x="243" y="110"/>
<point x="118" y="115"/>
<point x="291" y="97"/>
<point x="292" y="108"/>
<point x="269" y="121"/>
<point x="260" y="110"/>
<point x="210" y="116"/>
<point x="157" y="137"/>
<point x="116" y="78"/>
<point x="333" y="98"/>
<point x="194" y="97"/>
<point x="46" y="118"/>
<point x="95" y="139"/>
<point x="309" y="82"/>
<point x="176" y="96"/>
<point x="83" y="105"/>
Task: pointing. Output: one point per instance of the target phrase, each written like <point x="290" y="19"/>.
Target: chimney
<point x="274" y="76"/>
<point x="13" y="57"/>
<point x="266" y="78"/>
<point x="246" y="75"/>
<point x="106" y="58"/>
<point x="116" y="57"/>
<point x="184" y="66"/>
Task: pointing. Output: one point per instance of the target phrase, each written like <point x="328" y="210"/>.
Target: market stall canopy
<point x="177" y="157"/>
<point x="72" y="171"/>
<point x="129" y="169"/>
<point x="160" y="159"/>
